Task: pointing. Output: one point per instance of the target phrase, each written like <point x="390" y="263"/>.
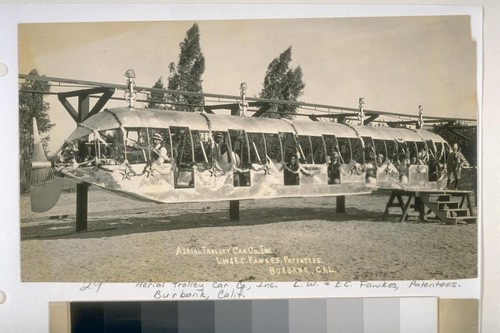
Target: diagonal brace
<point x="84" y="95"/>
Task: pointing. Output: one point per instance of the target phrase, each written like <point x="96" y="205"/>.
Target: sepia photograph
<point x="320" y="149"/>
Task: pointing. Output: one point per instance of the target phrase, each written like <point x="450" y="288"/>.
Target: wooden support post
<point x="469" y="203"/>
<point x="395" y="194"/>
<point x="398" y="195"/>
<point x="234" y="210"/>
<point x="79" y="116"/>
<point x="341" y="204"/>
<point x="420" y="207"/>
<point x="405" y="209"/>
<point x="81" y="207"/>
<point x="389" y="205"/>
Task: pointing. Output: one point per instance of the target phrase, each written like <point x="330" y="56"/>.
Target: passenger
<point x="159" y="152"/>
<point x="371" y="168"/>
<point x="423" y="158"/>
<point x="68" y="153"/>
<point x="118" y="147"/>
<point x="84" y="152"/>
<point x="219" y="149"/>
<point x="86" y="157"/>
<point x="334" y="169"/>
<point x="292" y="170"/>
<point x="454" y="164"/>
<point x="380" y="160"/>
<point x="403" y="168"/>
<point x="435" y="170"/>
<point x="393" y="158"/>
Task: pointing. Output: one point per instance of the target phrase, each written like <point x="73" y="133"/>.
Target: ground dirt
<point x="274" y="240"/>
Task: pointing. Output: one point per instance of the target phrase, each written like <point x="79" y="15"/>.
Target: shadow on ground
<point x="162" y="220"/>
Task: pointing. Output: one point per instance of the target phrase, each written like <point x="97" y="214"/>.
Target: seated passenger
<point x="334" y="169"/>
<point x="219" y="149"/>
<point x="423" y="158"/>
<point x="68" y="153"/>
<point x="291" y="172"/>
<point x="159" y="152"/>
<point x="403" y="168"/>
<point x="380" y="160"/>
<point x="86" y="158"/>
<point x="371" y="168"/>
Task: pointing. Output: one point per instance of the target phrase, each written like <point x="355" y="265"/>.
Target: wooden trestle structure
<point x="449" y="206"/>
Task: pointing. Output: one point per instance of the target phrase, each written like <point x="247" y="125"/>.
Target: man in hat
<point x="454" y="164"/>
<point x="159" y="152"/>
<point x="219" y="149"/>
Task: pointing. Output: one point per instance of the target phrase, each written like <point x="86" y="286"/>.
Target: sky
<point x="394" y="63"/>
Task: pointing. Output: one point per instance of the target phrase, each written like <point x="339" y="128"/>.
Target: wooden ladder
<point x="454" y="207"/>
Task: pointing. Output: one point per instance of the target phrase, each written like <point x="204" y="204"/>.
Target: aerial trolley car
<point x="215" y="157"/>
<point x="171" y="157"/>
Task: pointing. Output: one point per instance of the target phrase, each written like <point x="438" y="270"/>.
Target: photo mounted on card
<point x="280" y="150"/>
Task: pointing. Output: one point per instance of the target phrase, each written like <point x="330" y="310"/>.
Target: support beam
<point x="459" y="134"/>
<point x="81" y="207"/>
<point x="370" y="119"/>
<point x="444" y="127"/>
<point x="234" y="210"/>
<point x="262" y="110"/>
<point x="84" y="95"/>
<point x="341" y="204"/>
<point x="79" y="116"/>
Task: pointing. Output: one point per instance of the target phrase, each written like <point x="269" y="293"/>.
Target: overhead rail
<point x="264" y="103"/>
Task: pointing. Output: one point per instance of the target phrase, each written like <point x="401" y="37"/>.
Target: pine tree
<point x="156" y="100"/>
<point x="32" y="104"/>
<point x="186" y="75"/>
<point x="283" y="83"/>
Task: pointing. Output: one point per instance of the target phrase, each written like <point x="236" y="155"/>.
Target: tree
<point x="283" y="83"/>
<point x="465" y="137"/>
<point x="157" y="99"/>
<point x="32" y="104"/>
<point x="186" y="75"/>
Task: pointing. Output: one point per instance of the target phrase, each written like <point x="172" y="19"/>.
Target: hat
<point x="157" y="136"/>
<point x="335" y="154"/>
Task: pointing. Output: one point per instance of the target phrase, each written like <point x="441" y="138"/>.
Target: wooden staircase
<point x="451" y="207"/>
